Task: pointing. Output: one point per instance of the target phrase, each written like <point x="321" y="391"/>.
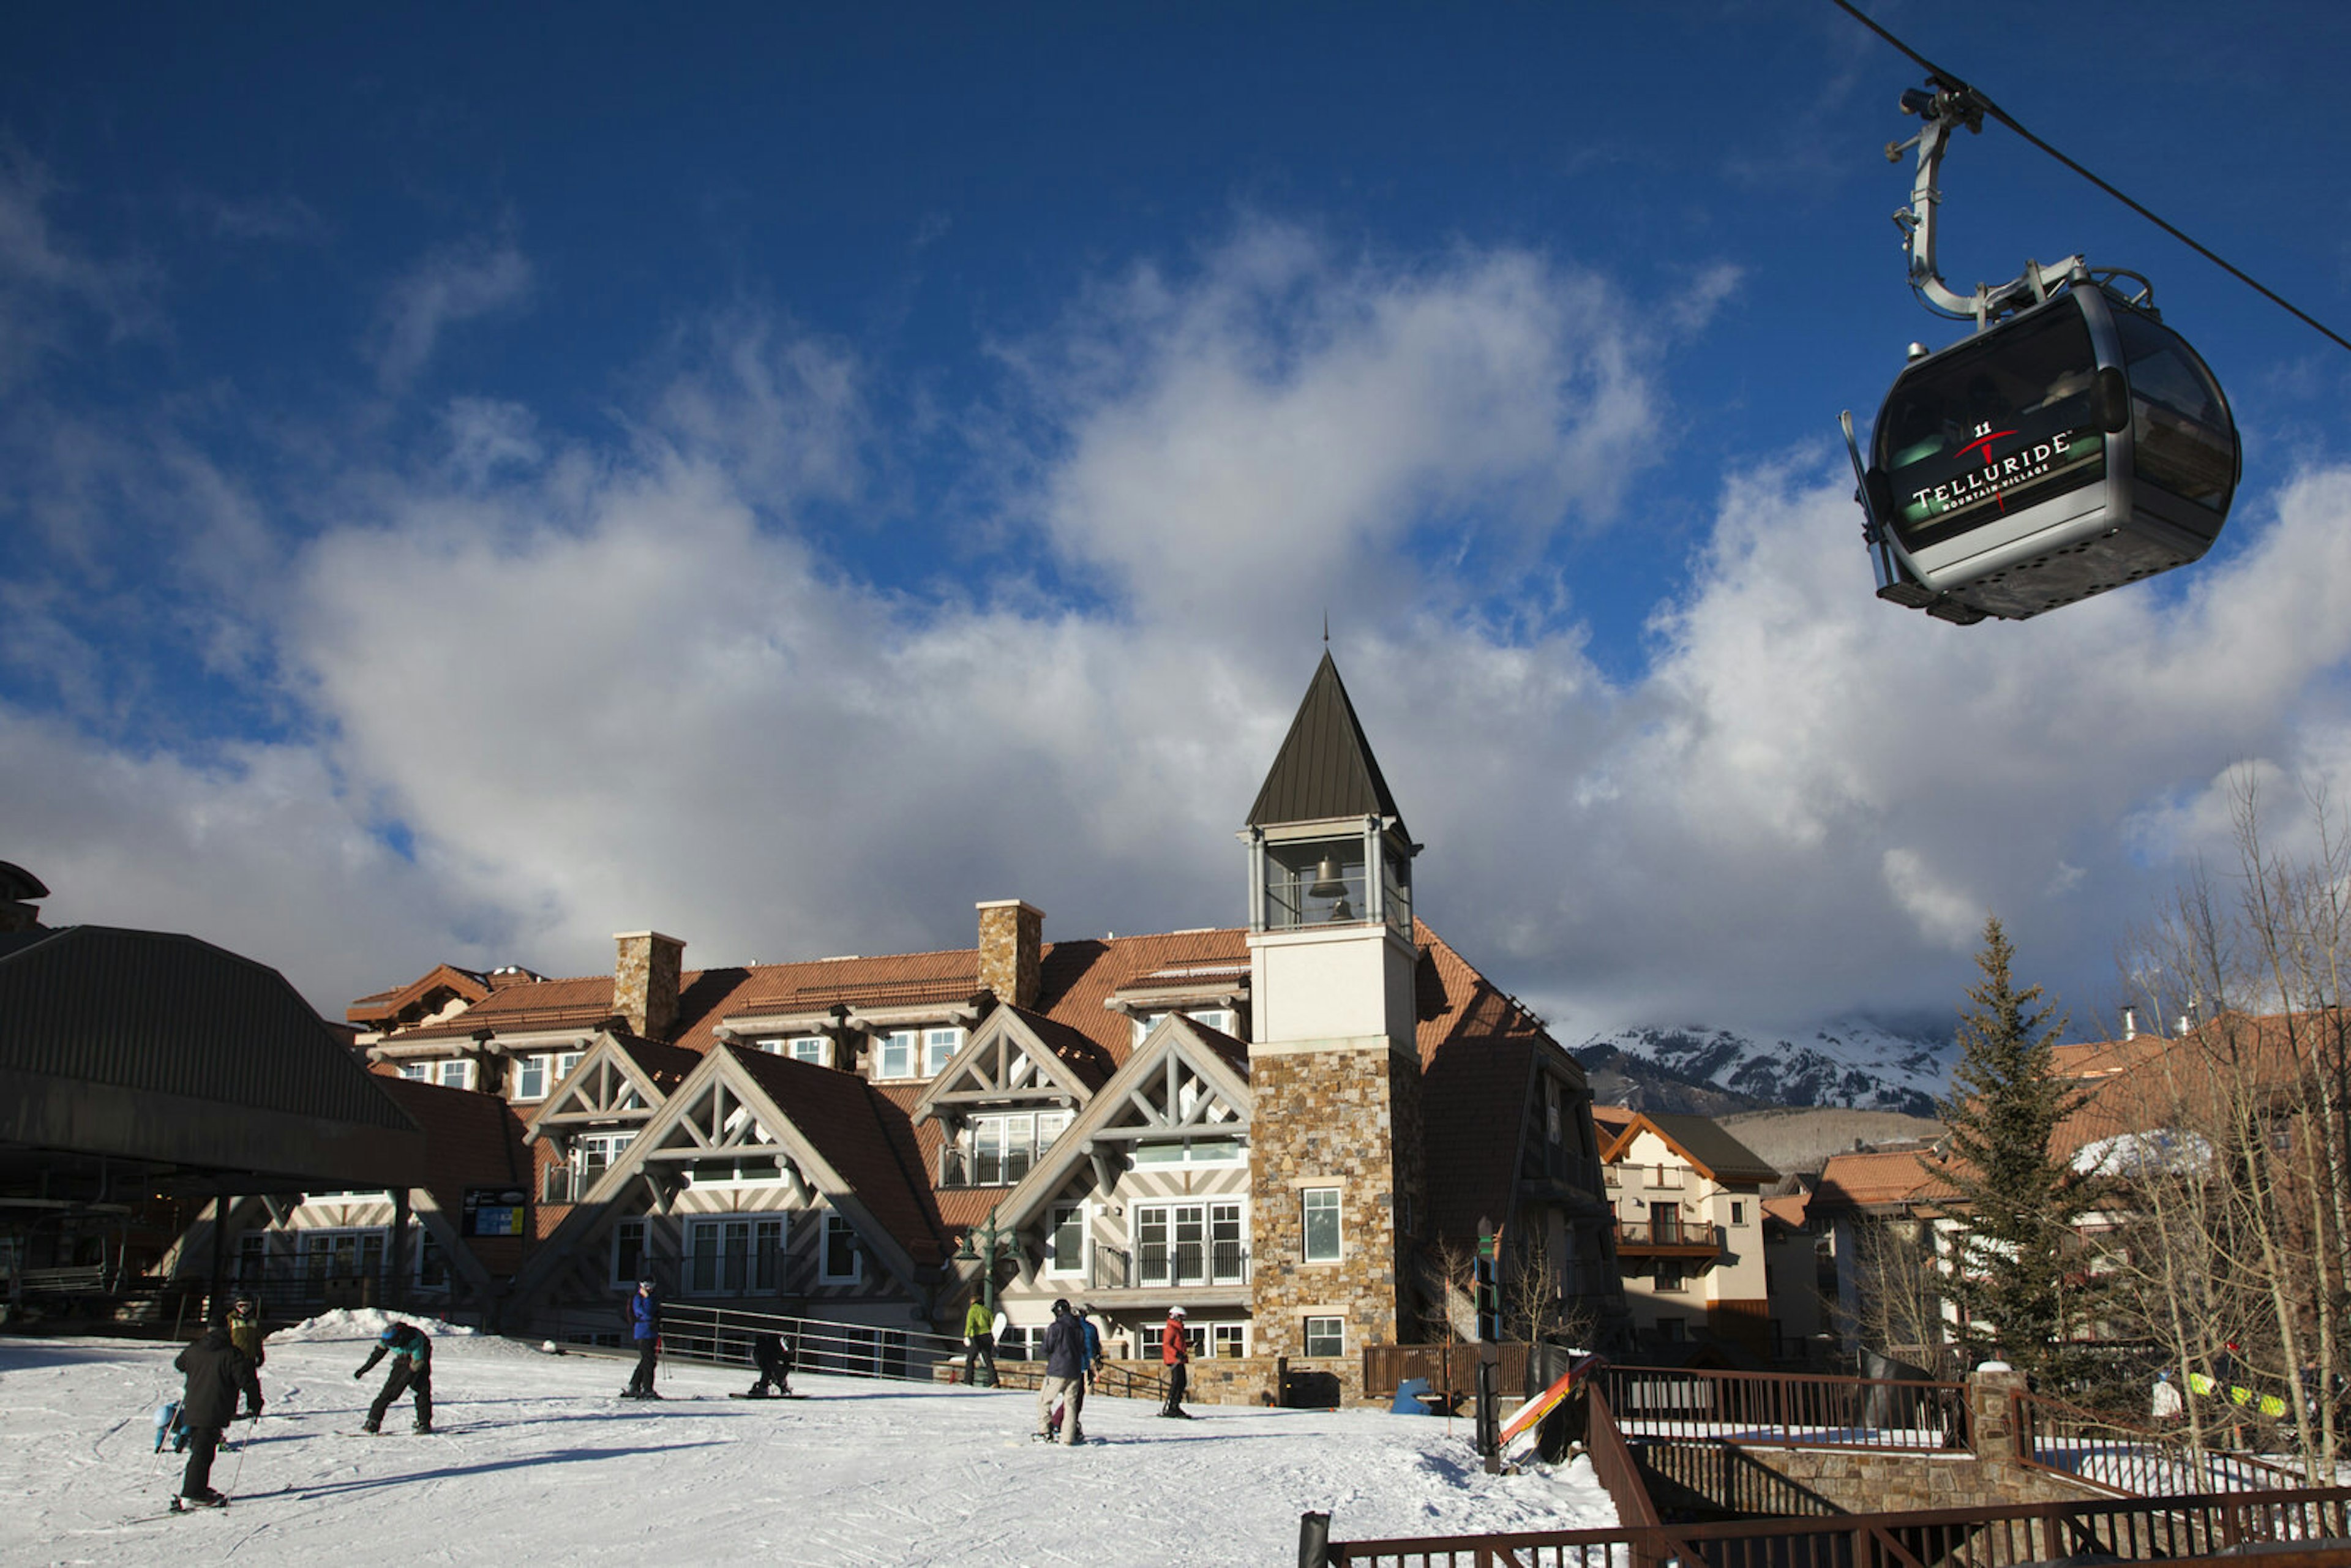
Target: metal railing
<point x="1786" y="1409"/>
<point x="1666" y="1233"/>
<point x="721" y="1336"/>
<point x="2131" y="1461"/>
<point x="2288" y="1530"/>
<point x="1158" y="1265"/>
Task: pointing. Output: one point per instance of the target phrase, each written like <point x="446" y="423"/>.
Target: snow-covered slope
<point x="1852" y="1063"/>
<point x="537" y="1461"/>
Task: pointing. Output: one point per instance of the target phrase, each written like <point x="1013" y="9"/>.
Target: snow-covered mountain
<point x="1857" y="1062"/>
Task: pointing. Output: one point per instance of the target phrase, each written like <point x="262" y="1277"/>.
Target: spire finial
<point x="1326" y="628"/>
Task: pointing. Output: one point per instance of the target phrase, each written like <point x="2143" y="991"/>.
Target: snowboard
<point x="767" y="1397"/>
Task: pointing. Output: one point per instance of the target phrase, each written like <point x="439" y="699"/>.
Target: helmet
<point x="645" y="1284"/>
<point x="388" y="1334"/>
<point x="1175" y="1312"/>
<point x="1085" y="1311"/>
<point x="1061" y="1308"/>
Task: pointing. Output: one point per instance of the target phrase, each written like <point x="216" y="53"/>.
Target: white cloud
<point x="453" y="285"/>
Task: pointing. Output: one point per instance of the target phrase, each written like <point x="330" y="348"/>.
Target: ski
<point x="767" y="1397"/>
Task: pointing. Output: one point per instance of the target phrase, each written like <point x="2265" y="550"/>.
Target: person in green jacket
<point x="978" y="1342"/>
<point x="244" y="1329"/>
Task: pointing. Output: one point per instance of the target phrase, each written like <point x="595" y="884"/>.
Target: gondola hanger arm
<point x="1942" y="107"/>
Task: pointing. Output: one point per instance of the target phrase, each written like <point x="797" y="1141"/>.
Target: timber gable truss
<point x="605" y="1089"/>
<point x="1176" y="1087"/>
<point x="725" y="1112"/>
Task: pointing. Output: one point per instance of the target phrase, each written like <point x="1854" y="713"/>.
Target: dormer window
<point x="813" y="1048"/>
<point x="939" y="1046"/>
<point x="896" y="1055"/>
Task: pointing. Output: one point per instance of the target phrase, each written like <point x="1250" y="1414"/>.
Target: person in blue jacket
<point x="411" y="1349"/>
<point x="644" y="1332"/>
<point x="1093" y="1345"/>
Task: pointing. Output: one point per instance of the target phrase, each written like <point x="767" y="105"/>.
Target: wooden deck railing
<point x="1790" y="1410"/>
<point x="2289" y="1530"/>
<point x="2131" y="1460"/>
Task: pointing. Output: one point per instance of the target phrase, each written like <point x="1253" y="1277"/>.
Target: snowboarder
<point x="217" y="1370"/>
<point x="1175" y="1355"/>
<point x="1064" y="1382"/>
<point x="411" y="1349"/>
<point x="978" y="1342"/>
<point x="1094" y="1345"/>
<point x="774" y="1355"/>
<point x="245" y="1328"/>
<point x="644" y="1331"/>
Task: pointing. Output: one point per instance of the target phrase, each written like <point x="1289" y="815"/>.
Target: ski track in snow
<point x="541" y="1463"/>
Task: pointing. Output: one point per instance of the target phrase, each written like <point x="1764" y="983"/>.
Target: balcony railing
<point x="1642" y="1235"/>
<point x="1158" y="1265"/>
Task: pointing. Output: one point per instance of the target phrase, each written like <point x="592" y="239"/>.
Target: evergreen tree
<point x="2016" y="1201"/>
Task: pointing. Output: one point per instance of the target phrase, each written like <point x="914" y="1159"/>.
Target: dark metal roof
<point x="157" y="1048"/>
<point x="1325" y="768"/>
<point x="15" y="881"/>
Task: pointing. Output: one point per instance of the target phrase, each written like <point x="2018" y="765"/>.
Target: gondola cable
<point x="1950" y="82"/>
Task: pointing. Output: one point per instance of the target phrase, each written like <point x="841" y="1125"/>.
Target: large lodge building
<point x="1286" y="1126"/>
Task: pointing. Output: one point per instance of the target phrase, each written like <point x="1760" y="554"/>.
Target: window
<point x="1188" y="1244"/>
<point x="898" y="1055"/>
<point x="733" y="1256"/>
<point x="939" y="1046"/>
<point x="813" y="1048"/>
<point x="1217" y="1019"/>
<point x="1324" y="1338"/>
<point x="593" y="1154"/>
<point x="1229" y="1339"/>
<point x="1674" y="1330"/>
<point x="1551" y="1109"/>
<point x="421" y="1072"/>
<point x="1190" y="1152"/>
<point x="628" y="1261"/>
<point x="431" y="1262"/>
<point x="1321" y="1224"/>
<point x="342" y="1254"/>
<point x="456" y="1075"/>
<point x="1670" y="1277"/>
<point x="1145" y="1022"/>
<point x="564" y="1063"/>
<point x="530" y="1078"/>
<point x="1004" y="1146"/>
<point x="840" y="1250"/>
<point x="1065" y="1239"/>
<point x="252" y="1256"/>
<point x="1737" y="1213"/>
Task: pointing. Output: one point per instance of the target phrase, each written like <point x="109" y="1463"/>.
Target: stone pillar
<point x="1992" y="1427"/>
<point x="645" y="978"/>
<point x="1011" y="950"/>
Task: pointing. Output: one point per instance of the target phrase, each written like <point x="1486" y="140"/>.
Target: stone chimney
<point x="20" y="896"/>
<point x="645" y="979"/>
<point x="1011" y="948"/>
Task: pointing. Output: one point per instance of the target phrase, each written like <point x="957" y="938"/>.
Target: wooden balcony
<point x="1694" y="1243"/>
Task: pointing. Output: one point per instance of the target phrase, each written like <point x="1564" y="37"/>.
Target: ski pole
<point x="251" y="1422"/>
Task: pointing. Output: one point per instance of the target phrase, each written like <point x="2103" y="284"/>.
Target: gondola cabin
<point x="2076" y="446"/>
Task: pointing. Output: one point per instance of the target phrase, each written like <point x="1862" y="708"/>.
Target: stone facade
<point x="1348" y="1117"/>
<point x="1011" y="950"/>
<point x="645" y="981"/>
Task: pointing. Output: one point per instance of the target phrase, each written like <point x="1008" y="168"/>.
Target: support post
<point x="1314" y="1540"/>
<point x="218" y="1282"/>
<point x="393" y="1293"/>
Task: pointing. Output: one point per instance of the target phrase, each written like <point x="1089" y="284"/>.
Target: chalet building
<point x="1690" y="1229"/>
<point x="1284" y="1126"/>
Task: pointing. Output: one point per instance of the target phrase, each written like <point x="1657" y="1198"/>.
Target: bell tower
<point x="1335" y="1063"/>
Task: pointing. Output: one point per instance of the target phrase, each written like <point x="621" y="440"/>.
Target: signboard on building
<point x="493" y="1210"/>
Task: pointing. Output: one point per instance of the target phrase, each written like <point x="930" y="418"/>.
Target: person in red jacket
<point x="1174" y="1354"/>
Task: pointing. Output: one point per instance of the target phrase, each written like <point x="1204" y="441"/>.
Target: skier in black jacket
<point x="411" y="1349"/>
<point x="217" y="1373"/>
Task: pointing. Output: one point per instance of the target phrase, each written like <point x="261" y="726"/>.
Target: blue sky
<point x="479" y="481"/>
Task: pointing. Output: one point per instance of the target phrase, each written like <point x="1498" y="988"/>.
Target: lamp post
<point x="991" y="1248"/>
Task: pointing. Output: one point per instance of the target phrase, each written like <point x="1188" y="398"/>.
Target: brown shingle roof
<point x="1477" y="1050"/>
<point x="1874" y="1180"/>
<point x="1702" y="1140"/>
<point x="864" y="1134"/>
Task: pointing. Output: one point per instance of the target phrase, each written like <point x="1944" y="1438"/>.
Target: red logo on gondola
<point x="1992" y="478"/>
